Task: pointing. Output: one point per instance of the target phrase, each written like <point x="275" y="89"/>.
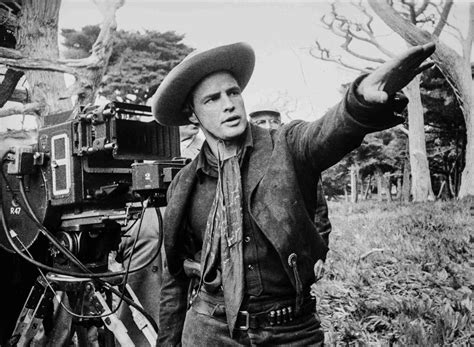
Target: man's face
<point x="267" y="121"/>
<point x="218" y="104"/>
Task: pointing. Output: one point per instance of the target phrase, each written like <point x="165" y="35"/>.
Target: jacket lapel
<point x="258" y="160"/>
<point x="179" y="196"/>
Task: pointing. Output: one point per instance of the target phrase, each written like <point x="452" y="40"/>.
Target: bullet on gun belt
<point x="290" y="314"/>
<point x="278" y="317"/>
<point x="284" y="314"/>
<point x="272" y="318"/>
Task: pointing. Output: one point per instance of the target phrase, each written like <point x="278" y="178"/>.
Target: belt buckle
<point x="247" y="321"/>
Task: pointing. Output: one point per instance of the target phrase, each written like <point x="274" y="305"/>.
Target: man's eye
<point x="210" y="100"/>
<point x="234" y="92"/>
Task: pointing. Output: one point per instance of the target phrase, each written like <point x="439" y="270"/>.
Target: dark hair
<point x="188" y="107"/>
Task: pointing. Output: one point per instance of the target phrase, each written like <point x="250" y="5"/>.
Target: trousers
<point x="207" y="329"/>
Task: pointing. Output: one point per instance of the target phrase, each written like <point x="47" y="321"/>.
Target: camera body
<point x="86" y="176"/>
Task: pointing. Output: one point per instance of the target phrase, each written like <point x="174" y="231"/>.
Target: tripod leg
<point x="32" y="314"/>
<point x="111" y="321"/>
<point x="141" y="322"/>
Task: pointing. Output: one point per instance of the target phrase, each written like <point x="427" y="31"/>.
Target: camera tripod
<point x="90" y="309"/>
<point x="89" y="294"/>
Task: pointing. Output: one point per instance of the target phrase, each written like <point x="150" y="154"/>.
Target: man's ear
<point x="193" y="119"/>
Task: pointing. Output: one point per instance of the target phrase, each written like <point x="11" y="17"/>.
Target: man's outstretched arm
<point x="370" y="105"/>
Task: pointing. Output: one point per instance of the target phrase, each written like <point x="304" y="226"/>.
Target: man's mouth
<point x="232" y="120"/>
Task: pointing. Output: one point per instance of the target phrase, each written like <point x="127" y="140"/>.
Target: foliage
<point x="398" y="275"/>
<point x="383" y="152"/>
<point x="139" y="61"/>
<point x="445" y="128"/>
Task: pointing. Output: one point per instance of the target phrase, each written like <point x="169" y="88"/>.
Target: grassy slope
<point x="398" y="274"/>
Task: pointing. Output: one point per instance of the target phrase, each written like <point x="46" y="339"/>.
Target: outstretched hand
<point x="395" y="74"/>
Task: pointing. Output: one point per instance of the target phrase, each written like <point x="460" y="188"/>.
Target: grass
<point x="398" y="275"/>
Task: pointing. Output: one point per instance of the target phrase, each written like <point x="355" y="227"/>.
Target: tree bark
<point x="37" y="55"/>
<point x="420" y="173"/>
<point x="456" y="69"/>
<point x="38" y="38"/>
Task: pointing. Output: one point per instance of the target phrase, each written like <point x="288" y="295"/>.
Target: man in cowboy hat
<point x="245" y="206"/>
<point x="266" y="118"/>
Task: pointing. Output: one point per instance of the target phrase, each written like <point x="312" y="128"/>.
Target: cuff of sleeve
<point x="375" y="115"/>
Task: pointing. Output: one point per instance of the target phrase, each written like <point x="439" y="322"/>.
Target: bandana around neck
<point x="222" y="260"/>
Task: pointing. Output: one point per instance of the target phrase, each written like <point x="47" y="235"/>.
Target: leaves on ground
<point x="398" y="275"/>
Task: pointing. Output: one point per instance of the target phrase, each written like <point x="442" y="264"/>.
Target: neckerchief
<point x="223" y="239"/>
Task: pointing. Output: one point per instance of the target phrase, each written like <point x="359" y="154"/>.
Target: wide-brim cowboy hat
<point x="169" y="99"/>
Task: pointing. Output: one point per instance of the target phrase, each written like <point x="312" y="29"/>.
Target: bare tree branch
<point x="443" y="18"/>
<point x="403" y="129"/>
<point x="38" y="64"/>
<point x="422" y="8"/>
<point x="325" y="54"/>
<point x="345" y="28"/>
<point x="10" y="53"/>
<point x="346" y="47"/>
<point x="32" y="108"/>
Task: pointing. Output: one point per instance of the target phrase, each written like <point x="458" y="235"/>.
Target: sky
<point x="279" y="31"/>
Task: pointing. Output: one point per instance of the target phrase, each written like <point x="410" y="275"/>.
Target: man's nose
<point x="228" y="103"/>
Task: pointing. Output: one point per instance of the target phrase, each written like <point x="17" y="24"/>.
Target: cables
<point x="40" y="265"/>
<point x="87" y="273"/>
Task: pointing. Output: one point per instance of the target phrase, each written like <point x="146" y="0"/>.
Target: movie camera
<point x="83" y="185"/>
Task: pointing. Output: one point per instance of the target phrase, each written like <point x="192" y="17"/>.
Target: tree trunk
<point x="456" y="69"/>
<point x="399" y="189"/>
<point x="360" y="185"/>
<point x="388" y="187"/>
<point x="467" y="178"/>
<point x="420" y="173"/>
<point x="38" y="38"/>
<point x="406" y="185"/>
<point x="366" y="192"/>
<point x="354" y="173"/>
<point x="379" y="181"/>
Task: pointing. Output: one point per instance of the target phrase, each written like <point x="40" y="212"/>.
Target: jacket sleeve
<point x="173" y="307"/>
<point x="324" y="142"/>
<point x="321" y="216"/>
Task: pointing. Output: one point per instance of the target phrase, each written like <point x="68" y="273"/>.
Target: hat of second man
<point x="169" y="99"/>
<point x="268" y="111"/>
